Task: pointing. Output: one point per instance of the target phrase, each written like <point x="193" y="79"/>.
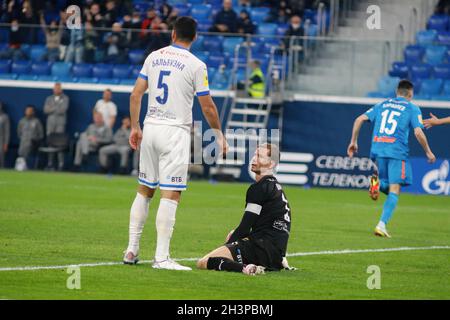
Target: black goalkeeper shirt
<point x="267" y="214"/>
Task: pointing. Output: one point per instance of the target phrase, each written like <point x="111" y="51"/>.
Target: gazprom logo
<point x="435" y="181"/>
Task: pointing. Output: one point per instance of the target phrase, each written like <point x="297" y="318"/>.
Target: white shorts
<point x="164" y="157"/>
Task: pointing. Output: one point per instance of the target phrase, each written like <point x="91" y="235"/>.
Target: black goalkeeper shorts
<point x="256" y="251"/>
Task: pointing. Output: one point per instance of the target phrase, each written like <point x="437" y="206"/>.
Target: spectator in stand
<point x="5" y="127"/>
<point x="245" y="4"/>
<point x="55" y="108"/>
<point x="90" y="42"/>
<point x="53" y="35"/>
<point x="107" y="108"/>
<point x="111" y="13"/>
<point x="14" y="50"/>
<point x="164" y="12"/>
<point x="226" y="19"/>
<point x="94" y="16"/>
<point x="30" y="133"/>
<point x="173" y="16"/>
<point x="96" y="135"/>
<point x="116" y="45"/>
<point x="147" y="23"/>
<point x="133" y="24"/>
<point x="281" y="12"/>
<point x="120" y="146"/>
<point x="245" y="24"/>
<point x="295" y="30"/>
<point x="27" y="16"/>
<point x="443" y="7"/>
<point x="158" y="38"/>
<point x="74" y="49"/>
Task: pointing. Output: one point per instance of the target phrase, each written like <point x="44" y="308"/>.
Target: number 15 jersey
<point x="393" y="120"/>
<point x="174" y="75"/>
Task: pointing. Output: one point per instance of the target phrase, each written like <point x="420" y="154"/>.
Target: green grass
<point x="58" y="219"/>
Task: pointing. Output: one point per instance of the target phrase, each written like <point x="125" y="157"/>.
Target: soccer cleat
<point x="169" y="264"/>
<point x="253" y="270"/>
<point x="374" y="189"/>
<point x="130" y="258"/>
<point x="382" y="232"/>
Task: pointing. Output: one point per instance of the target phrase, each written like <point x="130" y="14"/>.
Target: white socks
<point x="138" y="216"/>
<point x="165" y="220"/>
<point x="381" y="225"/>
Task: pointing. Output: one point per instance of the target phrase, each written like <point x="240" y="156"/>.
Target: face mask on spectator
<point x="14" y="28"/>
<point x="296" y="26"/>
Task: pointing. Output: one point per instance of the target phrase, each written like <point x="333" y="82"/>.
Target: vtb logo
<point x="435" y="181"/>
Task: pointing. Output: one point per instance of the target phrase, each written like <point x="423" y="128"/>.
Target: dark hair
<point x="185" y="29"/>
<point x="405" y="85"/>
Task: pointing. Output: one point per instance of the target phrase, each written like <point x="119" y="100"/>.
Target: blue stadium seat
<point x="444" y="97"/>
<point x="195" y="2"/>
<point x="421" y="71"/>
<point x="422" y="97"/>
<point x="204" y="26"/>
<point x="102" y="70"/>
<point x="213" y="43"/>
<point x="241" y="60"/>
<point x="135" y="72"/>
<point x="431" y="86"/>
<point x="442" y="71"/>
<point x="230" y="43"/>
<point x="176" y="2"/>
<point x="37" y="51"/>
<point x="27" y="77"/>
<point x="281" y="30"/>
<point x="4" y="35"/>
<point x="21" y="67"/>
<point x="136" y="56"/>
<point x="5" y="66"/>
<point x="121" y="71"/>
<point x="48" y="78"/>
<point x="215" y="61"/>
<point x="86" y="79"/>
<point x="183" y="9"/>
<point x="400" y="70"/>
<point x="376" y="94"/>
<point x="8" y="76"/>
<point x="41" y="68"/>
<point x="387" y="85"/>
<point x="435" y="55"/>
<point x="197" y="45"/>
<point x="309" y="14"/>
<point x="82" y="70"/>
<point x="66" y="79"/>
<point x="414" y="54"/>
<point x="259" y="14"/>
<point x="61" y="69"/>
<point x="128" y="82"/>
<point x="203" y="56"/>
<point x="201" y="11"/>
<point x="312" y="31"/>
<point x="109" y="81"/>
<point x="267" y="28"/>
<point x="426" y="37"/>
<point x="446" y="88"/>
<point x="220" y="80"/>
<point x="444" y="38"/>
<point x="438" y="22"/>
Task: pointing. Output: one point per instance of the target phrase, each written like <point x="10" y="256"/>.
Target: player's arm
<point x="135" y="109"/>
<point x="243" y="230"/>
<point x="420" y="136"/>
<point x="211" y="114"/>
<point x="435" y="121"/>
<point x="353" y="146"/>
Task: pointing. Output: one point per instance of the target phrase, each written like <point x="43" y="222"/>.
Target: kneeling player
<point x="260" y="240"/>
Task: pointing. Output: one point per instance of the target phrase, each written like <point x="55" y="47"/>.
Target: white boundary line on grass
<point x="298" y="254"/>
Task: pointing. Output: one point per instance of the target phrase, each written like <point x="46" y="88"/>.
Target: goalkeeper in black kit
<point x="259" y="243"/>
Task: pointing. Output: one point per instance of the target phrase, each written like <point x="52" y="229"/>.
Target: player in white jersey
<point x="172" y="76"/>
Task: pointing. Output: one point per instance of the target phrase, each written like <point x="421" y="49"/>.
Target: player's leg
<point x="400" y="173"/>
<point x="379" y="180"/>
<point x="148" y="181"/>
<point x="173" y="164"/>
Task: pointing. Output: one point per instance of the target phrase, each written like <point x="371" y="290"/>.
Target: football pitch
<point x="51" y="220"/>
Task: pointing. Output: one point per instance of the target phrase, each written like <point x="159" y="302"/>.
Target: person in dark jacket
<point x="226" y="19"/>
<point x="245" y="24"/>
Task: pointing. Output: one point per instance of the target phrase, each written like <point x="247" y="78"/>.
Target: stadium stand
<point x="426" y="63"/>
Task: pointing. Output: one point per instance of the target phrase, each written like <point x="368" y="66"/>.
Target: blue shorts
<point x="394" y="171"/>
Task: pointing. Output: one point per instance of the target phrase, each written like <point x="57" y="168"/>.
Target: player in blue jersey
<point x="392" y="120"/>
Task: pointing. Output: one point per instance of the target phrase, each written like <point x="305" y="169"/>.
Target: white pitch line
<point x="298" y="254"/>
